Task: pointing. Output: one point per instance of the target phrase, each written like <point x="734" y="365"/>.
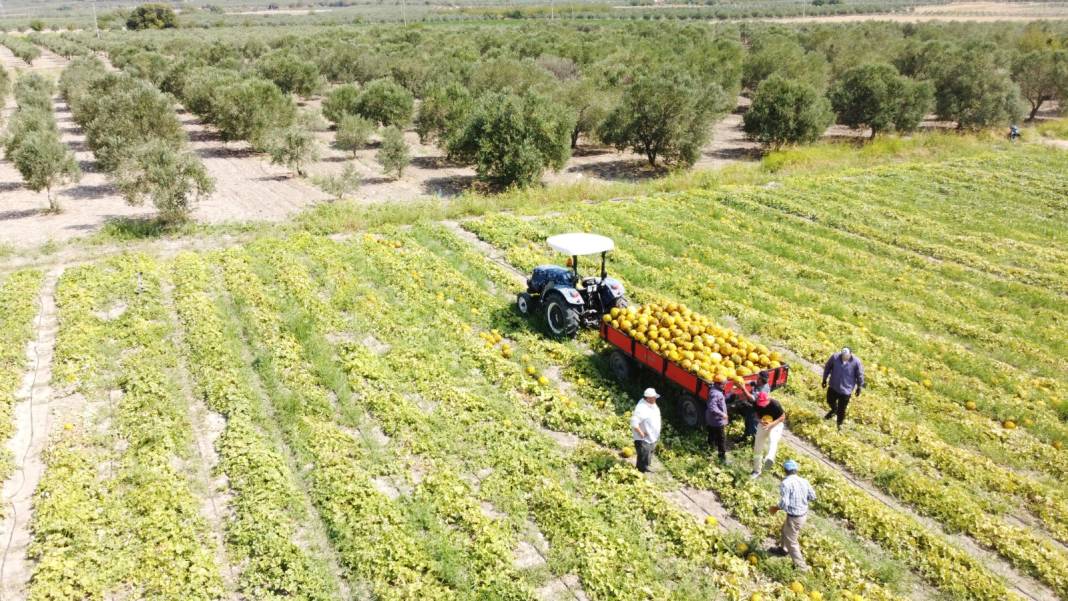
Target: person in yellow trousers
<point x="795" y="493"/>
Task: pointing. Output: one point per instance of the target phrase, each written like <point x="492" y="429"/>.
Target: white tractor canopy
<point x="578" y="244"/>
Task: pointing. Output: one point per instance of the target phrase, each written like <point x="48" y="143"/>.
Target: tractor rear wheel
<point x="562" y="318"/>
<point x="621" y="303"/>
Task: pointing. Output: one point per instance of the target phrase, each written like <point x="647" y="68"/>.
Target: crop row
<point x="267" y="504"/>
<point x="114" y="510"/>
<point x="18" y="306"/>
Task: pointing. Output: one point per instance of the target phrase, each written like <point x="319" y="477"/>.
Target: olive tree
<point x="293" y="147"/>
<point x="152" y="16"/>
<point x="512" y="139"/>
<point x="342" y="100"/>
<point x="45" y="163"/>
<point x="785" y="111"/>
<point x="393" y="153"/>
<point x="250" y="110"/>
<point x="337" y="186"/>
<point x="877" y="96"/>
<point x="664" y="116"/>
<point x="386" y="103"/>
<point x="443" y="112"/>
<point x="290" y="73"/>
<point x="353" y="133"/>
<point x="1042" y="76"/>
<point x="779" y="54"/>
<point x="974" y="90"/>
<point x="172" y="180"/>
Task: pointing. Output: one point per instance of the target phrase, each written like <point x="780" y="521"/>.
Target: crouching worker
<point x="795" y="493"/>
<point x="771" y="417"/>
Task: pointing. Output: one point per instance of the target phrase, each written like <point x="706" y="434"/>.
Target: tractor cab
<point x="566" y="298"/>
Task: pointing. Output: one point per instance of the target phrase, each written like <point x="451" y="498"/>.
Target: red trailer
<point x="629" y="353"/>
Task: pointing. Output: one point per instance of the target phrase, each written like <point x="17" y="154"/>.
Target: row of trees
<point x="32" y="142"/>
<point x="136" y="137"/>
<point x="21" y="48"/>
<point x="651" y="89"/>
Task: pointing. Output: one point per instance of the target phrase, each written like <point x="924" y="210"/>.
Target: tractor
<point x="567" y="300"/>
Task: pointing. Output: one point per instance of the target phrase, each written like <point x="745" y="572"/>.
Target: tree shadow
<point x="224" y="152"/>
<point x="434" y="162"/>
<point x="736" y="153"/>
<point x="590" y="151"/>
<point x="452" y="185"/>
<point x="620" y="170"/>
<point x="15" y="214"/>
<point x="89" y="192"/>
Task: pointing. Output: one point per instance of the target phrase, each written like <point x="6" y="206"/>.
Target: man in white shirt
<point x="645" y="425"/>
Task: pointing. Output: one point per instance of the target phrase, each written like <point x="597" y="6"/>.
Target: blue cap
<point x="791" y="465"/>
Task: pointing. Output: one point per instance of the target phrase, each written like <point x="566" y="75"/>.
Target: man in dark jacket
<point x="716" y="419"/>
<point x="845" y="374"/>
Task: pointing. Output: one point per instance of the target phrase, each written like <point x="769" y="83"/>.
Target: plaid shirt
<point x="795" y="493"/>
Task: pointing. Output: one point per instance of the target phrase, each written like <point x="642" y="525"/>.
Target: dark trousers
<point x="750" y="418"/>
<point x="645" y="454"/>
<point x="838" y="403"/>
<point x="717" y="440"/>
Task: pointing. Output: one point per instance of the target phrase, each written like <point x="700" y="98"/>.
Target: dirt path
<point x="247" y="187"/>
<point x="11" y="62"/>
<point x="34" y="417"/>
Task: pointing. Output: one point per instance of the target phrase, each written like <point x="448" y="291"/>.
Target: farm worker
<point x="749" y="408"/>
<point x="716" y="419"/>
<point x="645" y="423"/>
<point x="795" y="493"/>
<point x="769" y="431"/>
<point x="846" y="375"/>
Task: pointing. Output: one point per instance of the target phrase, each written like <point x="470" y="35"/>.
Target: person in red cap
<point x="771" y="416"/>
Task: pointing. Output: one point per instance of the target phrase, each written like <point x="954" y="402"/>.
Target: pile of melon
<point x="695" y="342"/>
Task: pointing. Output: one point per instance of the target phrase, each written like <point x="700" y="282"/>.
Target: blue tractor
<point x="567" y="300"/>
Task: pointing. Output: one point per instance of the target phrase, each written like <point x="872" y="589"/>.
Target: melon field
<point x="362" y="414"/>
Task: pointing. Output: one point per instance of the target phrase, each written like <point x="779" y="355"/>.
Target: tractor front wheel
<point x="562" y="318"/>
<point x="524" y="303"/>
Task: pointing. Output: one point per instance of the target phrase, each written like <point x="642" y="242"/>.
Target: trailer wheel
<point x="690" y="412"/>
<point x="619" y="364"/>
<point x="562" y="318"/>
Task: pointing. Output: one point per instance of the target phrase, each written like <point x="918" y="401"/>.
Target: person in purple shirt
<point x="843" y="377"/>
<point x="716" y="419"/>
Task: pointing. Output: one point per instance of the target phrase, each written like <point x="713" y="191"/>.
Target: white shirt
<point x="646" y="415"/>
